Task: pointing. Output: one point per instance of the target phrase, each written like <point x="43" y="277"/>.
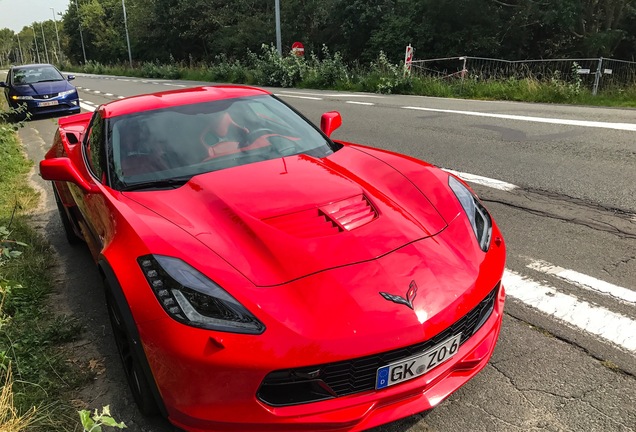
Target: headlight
<point x="477" y="215"/>
<point x="66" y="93"/>
<point x="22" y="97"/>
<point x="193" y="299"/>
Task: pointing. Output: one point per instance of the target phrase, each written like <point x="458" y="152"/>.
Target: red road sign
<point x="298" y="48"/>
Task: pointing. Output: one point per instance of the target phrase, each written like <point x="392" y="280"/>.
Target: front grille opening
<point x="315" y="383"/>
<point x="295" y="393"/>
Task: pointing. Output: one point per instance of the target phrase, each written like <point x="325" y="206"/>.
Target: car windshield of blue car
<point x="149" y="149"/>
<point x="35" y="74"/>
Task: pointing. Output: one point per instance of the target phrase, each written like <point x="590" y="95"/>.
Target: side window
<point x="95" y="148"/>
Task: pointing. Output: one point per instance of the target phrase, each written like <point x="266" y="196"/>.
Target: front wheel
<point x="137" y="381"/>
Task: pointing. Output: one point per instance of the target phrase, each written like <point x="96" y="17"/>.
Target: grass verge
<point x="36" y="376"/>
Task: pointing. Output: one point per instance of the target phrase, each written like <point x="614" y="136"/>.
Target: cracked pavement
<point x="535" y="382"/>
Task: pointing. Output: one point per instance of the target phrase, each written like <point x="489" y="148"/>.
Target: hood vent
<point x="330" y="219"/>
<point x="305" y="224"/>
<point x="351" y="213"/>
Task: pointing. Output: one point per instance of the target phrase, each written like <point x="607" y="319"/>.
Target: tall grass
<point x="11" y="420"/>
<point x="33" y="361"/>
<point x="325" y="70"/>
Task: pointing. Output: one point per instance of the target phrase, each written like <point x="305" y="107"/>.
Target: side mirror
<point x="330" y="121"/>
<point x="62" y="169"/>
<point x="71" y="77"/>
<point x="3" y="84"/>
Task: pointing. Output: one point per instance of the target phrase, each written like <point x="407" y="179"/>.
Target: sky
<point x="15" y="14"/>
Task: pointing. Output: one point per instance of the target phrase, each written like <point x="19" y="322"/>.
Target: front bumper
<point x="63" y="105"/>
<point x="217" y="392"/>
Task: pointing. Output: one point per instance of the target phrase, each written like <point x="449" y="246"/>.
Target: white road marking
<point x="108" y="94"/>
<point x="123" y="79"/>
<point x="582" y="123"/>
<point x="485" y="181"/>
<point x="356" y="95"/>
<point x="584" y="281"/>
<point x="120" y="97"/>
<point x="360" y="103"/>
<point x="87" y="89"/>
<point x="96" y="91"/>
<point x="174" y="85"/>
<point x="87" y="107"/>
<point x="299" y="97"/>
<point x="343" y="95"/>
<point x="597" y="320"/>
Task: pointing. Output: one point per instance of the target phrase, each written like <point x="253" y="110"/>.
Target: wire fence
<point x="595" y="73"/>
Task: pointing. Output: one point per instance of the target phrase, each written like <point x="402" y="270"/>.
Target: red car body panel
<point x="315" y="288"/>
<point x="233" y="218"/>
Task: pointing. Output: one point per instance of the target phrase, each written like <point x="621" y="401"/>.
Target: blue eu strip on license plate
<point x="418" y="365"/>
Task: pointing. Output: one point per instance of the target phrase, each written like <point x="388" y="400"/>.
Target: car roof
<point x="172" y="98"/>
<point x="35" y="65"/>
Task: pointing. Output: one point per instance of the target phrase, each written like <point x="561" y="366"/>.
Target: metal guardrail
<point x="595" y="73"/>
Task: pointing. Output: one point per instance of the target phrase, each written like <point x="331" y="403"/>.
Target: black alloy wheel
<point x="132" y="368"/>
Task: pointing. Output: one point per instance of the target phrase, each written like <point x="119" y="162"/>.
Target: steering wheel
<point x="254" y="135"/>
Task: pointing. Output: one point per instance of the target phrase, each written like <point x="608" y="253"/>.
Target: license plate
<point x="48" y="103"/>
<point x="418" y="365"/>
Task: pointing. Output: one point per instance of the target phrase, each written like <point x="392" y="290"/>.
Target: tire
<point x="69" y="232"/>
<point x="18" y="117"/>
<point x="139" y="386"/>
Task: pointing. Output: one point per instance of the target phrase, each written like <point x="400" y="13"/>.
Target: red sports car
<point x="261" y="276"/>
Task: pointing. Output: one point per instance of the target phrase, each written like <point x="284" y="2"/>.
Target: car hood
<point x="341" y="310"/>
<point x="283" y="219"/>
<point x="43" y="88"/>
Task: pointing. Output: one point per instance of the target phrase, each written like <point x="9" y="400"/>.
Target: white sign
<point x="408" y="59"/>
<point x="607" y="71"/>
<point x="583" y="71"/>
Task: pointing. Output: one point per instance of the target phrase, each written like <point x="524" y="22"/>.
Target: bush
<point x="271" y="69"/>
<point x="328" y="72"/>
<point x="386" y="77"/>
<point x="231" y="71"/>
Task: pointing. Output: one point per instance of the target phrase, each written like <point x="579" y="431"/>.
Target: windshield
<point x="35" y="74"/>
<point x="149" y="149"/>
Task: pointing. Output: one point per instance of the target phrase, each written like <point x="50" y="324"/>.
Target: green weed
<point x="32" y="335"/>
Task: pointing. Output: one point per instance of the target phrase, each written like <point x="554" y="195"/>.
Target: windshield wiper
<point x="49" y="80"/>
<point x="157" y="184"/>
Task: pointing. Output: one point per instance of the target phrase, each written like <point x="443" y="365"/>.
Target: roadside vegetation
<point x="329" y="71"/>
<point x="36" y="373"/>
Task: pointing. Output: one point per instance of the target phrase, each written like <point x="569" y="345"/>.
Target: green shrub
<point x="328" y="72"/>
<point x="271" y="69"/>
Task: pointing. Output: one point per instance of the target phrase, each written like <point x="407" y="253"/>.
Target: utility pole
<point x="79" y="19"/>
<point x="123" y="5"/>
<point x="46" y="51"/>
<point x="37" y="50"/>
<point x="279" y="45"/>
<point x="59" y="48"/>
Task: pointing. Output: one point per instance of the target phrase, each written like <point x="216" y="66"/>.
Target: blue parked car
<point x="42" y="88"/>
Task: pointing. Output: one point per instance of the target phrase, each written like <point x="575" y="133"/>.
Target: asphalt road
<point x="566" y="359"/>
